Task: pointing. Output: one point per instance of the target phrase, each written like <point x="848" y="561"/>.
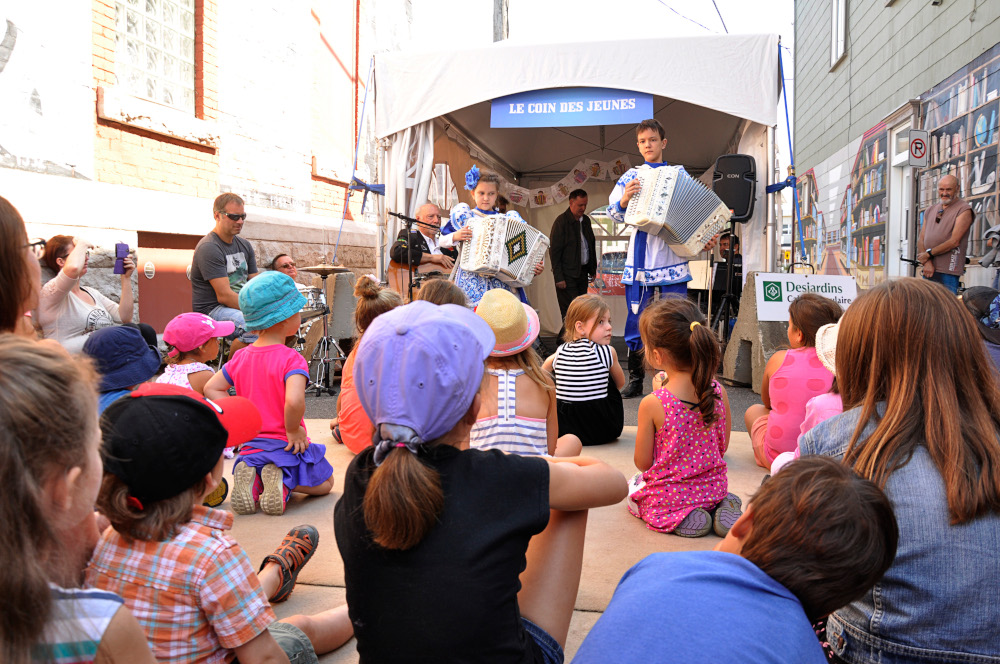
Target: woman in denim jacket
<point x="922" y="416"/>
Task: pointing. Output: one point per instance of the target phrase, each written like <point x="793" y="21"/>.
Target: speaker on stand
<point x="735" y="182"/>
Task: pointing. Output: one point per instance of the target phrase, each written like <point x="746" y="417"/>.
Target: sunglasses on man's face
<point x="236" y="217"/>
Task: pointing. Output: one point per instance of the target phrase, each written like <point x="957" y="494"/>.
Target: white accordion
<point x="505" y="247"/>
<point x="680" y="210"/>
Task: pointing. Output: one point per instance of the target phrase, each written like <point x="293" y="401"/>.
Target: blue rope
<point x="791" y="155"/>
<point x="354" y="167"/>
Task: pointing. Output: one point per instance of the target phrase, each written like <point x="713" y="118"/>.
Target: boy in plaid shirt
<point x="190" y="585"/>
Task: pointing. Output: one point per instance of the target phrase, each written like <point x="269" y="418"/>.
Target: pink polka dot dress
<point x="800" y="377"/>
<point x="688" y="470"/>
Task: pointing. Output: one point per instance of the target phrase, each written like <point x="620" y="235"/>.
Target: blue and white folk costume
<point x="650" y="264"/>
<point x="474" y="285"/>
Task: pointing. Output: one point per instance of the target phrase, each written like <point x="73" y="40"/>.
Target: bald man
<point x="425" y="243"/>
<point x="944" y="236"/>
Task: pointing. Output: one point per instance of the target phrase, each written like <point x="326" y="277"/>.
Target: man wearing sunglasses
<point x="222" y="265"/>
<point x="944" y="236"/>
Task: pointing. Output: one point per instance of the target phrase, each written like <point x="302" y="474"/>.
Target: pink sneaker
<point x="275" y="494"/>
<point x="246" y="490"/>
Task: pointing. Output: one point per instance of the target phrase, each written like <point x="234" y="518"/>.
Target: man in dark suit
<point x="424" y="244"/>
<point x="572" y="250"/>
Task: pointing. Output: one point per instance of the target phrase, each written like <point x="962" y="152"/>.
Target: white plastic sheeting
<point x="732" y="74"/>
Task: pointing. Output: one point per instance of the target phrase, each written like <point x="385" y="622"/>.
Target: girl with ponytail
<point x="683" y="428"/>
<point x="50" y="469"/>
<point x="451" y="553"/>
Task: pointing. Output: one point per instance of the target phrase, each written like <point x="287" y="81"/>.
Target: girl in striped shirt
<point x="518" y="411"/>
<point x="588" y="375"/>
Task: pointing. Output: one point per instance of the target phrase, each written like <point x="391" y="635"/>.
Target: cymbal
<point x="325" y="269"/>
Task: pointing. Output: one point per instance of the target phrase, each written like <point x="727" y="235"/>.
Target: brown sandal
<point x="295" y="551"/>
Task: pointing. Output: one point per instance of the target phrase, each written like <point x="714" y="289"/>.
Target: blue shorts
<point x="236" y="316"/>
<point x="552" y="652"/>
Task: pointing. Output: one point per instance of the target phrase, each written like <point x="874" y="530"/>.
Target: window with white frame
<point x="154" y="51"/>
<point x="838" y="42"/>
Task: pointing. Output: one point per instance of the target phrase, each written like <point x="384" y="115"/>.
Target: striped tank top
<point x="582" y="368"/>
<point x="506" y="431"/>
<point x="76" y="625"/>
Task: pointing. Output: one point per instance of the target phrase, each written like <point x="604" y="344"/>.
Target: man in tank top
<point x="944" y="236"/>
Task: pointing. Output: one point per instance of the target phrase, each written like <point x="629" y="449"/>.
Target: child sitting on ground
<point x="188" y="581"/>
<point x="123" y="359"/>
<point x="518" y="414"/>
<point x="791" y="378"/>
<point x="683" y="428"/>
<point x="814" y="538"/>
<point x="824" y="406"/>
<point x="272" y="375"/>
<point x="588" y="375"/>
<point x="442" y="291"/>
<point x="351" y="426"/>
<point x="50" y="469"/>
<point x="453" y="554"/>
<point x="192" y="340"/>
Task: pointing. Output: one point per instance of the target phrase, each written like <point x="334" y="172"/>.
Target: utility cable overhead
<point x="720" y="17"/>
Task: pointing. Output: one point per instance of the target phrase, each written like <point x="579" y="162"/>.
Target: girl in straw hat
<point x="518" y="413"/>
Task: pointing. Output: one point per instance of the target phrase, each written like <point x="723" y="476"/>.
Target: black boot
<point x="637" y="375"/>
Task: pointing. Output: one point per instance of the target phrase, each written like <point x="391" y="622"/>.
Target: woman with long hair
<point x="20" y="273"/>
<point x="50" y="469"/>
<point x="922" y="420"/>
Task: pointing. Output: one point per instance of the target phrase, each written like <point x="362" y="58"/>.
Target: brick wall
<point x="138" y="158"/>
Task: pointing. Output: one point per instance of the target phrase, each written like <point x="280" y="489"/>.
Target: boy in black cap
<point x="189" y="583"/>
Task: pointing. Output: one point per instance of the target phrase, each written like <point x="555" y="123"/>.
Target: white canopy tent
<point x="714" y="95"/>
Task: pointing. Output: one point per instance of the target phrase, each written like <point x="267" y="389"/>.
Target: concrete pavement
<point x="615" y="539"/>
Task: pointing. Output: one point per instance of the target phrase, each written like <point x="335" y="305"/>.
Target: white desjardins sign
<point x="776" y="290"/>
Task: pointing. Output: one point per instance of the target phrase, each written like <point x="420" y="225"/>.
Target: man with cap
<point x="451" y="525"/>
<point x="188" y="582"/>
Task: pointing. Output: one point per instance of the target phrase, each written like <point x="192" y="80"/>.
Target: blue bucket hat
<point x="268" y="299"/>
<point x="122" y="356"/>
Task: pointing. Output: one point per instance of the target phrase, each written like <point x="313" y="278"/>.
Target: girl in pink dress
<point x="791" y="378"/>
<point x="683" y="428"/>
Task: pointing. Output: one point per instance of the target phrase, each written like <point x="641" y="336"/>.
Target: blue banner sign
<point x="571" y="107"/>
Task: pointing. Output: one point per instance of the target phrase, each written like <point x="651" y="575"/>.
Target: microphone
<point x="413" y="221"/>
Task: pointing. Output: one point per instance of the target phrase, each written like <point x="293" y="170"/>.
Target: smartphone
<point x="121" y="253"/>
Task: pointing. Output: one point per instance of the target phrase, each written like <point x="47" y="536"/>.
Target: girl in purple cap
<point x="454" y="554"/>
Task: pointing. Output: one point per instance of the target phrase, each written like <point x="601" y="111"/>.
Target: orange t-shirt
<point x="356" y="430"/>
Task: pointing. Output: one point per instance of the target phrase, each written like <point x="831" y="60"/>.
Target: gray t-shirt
<point x="213" y="259"/>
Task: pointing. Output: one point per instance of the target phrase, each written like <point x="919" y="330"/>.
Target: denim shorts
<point x="552" y="652"/>
<point x="949" y="281"/>
<point x="236" y="316"/>
<point x="294" y="642"/>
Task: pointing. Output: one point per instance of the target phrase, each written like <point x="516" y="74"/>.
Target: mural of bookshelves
<point x="866" y="210"/>
<point x="822" y="239"/>
<point x="962" y="115"/>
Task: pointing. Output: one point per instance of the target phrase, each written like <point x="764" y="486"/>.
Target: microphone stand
<point x="408" y="223"/>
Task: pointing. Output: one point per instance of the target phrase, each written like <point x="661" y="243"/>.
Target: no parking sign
<point x="918" y="148"/>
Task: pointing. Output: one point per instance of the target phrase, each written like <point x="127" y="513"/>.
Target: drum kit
<point x="317" y="308"/>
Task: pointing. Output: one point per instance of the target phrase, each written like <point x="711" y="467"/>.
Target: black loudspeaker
<point x="735" y="182"/>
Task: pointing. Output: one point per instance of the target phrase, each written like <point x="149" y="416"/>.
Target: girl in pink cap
<point x="192" y="340"/>
<point x="518" y="414"/>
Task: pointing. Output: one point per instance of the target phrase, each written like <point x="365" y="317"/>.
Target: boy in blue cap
<point x="123" y="359"/>
<point x="274" y="377"/>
